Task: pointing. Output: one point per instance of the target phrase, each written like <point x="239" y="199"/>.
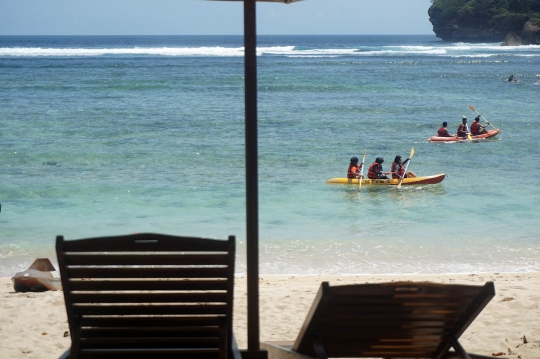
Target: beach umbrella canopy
<point x="252" y="171"/>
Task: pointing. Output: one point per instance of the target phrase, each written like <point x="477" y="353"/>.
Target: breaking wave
<point x="449" y="50"/>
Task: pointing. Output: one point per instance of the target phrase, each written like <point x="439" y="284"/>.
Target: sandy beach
<point x="33" y="325"/>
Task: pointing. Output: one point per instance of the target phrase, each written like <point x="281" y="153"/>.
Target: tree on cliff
<point x="491" y="18"/>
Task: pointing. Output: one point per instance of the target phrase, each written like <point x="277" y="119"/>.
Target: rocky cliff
<point x="486" y="20"/>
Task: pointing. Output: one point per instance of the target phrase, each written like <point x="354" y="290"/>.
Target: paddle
<point x="361" y="172"/>
<point x="468" y="133"/>
<point x="489" y="123"/>
<point x="410" y="159"/>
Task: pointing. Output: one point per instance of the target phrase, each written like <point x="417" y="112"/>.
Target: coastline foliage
<point x="508" y="15"/>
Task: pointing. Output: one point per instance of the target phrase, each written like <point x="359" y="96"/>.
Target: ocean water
<point x="110" y="135"/>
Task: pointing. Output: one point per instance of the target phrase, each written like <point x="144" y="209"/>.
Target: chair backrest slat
<point x="145" y="242"/>
<point x="146" y="259"/>
<point x="147" y="272"/>
<point x="104" y="310"/>
<point x="174" y="297"/>
<point x="161" y="322"/>
<point x="120" y="285"/>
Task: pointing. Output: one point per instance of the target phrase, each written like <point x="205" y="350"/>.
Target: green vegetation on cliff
<point x="504" y="15"/>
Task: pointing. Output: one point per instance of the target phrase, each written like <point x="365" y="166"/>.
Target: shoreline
<point x="32" y="325"/>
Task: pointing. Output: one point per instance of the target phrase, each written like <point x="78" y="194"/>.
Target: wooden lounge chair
<point x="390" y="320"/>
<point x="148" y="296"/>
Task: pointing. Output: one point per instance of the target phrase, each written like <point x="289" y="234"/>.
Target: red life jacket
<point x="400" y="172"/>
<point x="462" y="130"/>
<point x="351" y="173"/>
<point x="475" y="128"/>
<point x="373" y="169"/>
<point x="443" y="132"/>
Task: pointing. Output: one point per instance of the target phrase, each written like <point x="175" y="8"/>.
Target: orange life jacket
<point x="353" y="171"/>
<point x="443" y="132"/>
<point x="400" y="172"/>
<point x="475" y="128"/>
<point x="373" y="169"/>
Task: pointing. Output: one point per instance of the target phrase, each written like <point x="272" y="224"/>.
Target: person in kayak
<point x="462" y="129"/>
<point x="398" y="169"/>
<point x="376" y="171"/>
<point x="477" y="128"/>
<point x="354" y="168"/>
<point x="443" y="131"/>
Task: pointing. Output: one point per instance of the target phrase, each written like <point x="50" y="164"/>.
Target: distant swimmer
<point x="477" y="128"/>
<point x="354" y="168"/>
<point x="376" y="171"/>
<point x="512" y="78"/>
<point x="463" y="129"/>
<point x="398" y="169"/>
<point x="443" y="131"/>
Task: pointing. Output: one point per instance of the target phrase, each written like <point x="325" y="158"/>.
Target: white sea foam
<point x="157" y="51"/>
<point x="398" y="52"/>
<point x="169" y="51"/>
<point x="475" y="56"/>
<point x="312" y="56"/>
<point x="457" y="50"/>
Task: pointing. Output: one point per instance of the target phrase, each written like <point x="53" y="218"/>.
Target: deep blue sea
<point x="109" y="135"/>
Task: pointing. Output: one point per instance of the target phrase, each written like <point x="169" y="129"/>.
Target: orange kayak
<point x="488" y="134"/>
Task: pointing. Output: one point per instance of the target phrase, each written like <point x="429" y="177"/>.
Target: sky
<point x="201" y="17"/>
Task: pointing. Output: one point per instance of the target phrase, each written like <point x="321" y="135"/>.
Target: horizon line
<point x="412" y="34"/>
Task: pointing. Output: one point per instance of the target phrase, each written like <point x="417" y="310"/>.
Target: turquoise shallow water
<point x="115" y="135"/>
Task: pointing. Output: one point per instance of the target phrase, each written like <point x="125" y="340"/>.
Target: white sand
<point x="32" y="325"/>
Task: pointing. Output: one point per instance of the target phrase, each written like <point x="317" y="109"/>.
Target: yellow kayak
<point x="378" y="182"/>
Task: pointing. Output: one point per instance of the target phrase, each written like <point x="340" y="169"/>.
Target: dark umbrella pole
<point x="252" y="172"/>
